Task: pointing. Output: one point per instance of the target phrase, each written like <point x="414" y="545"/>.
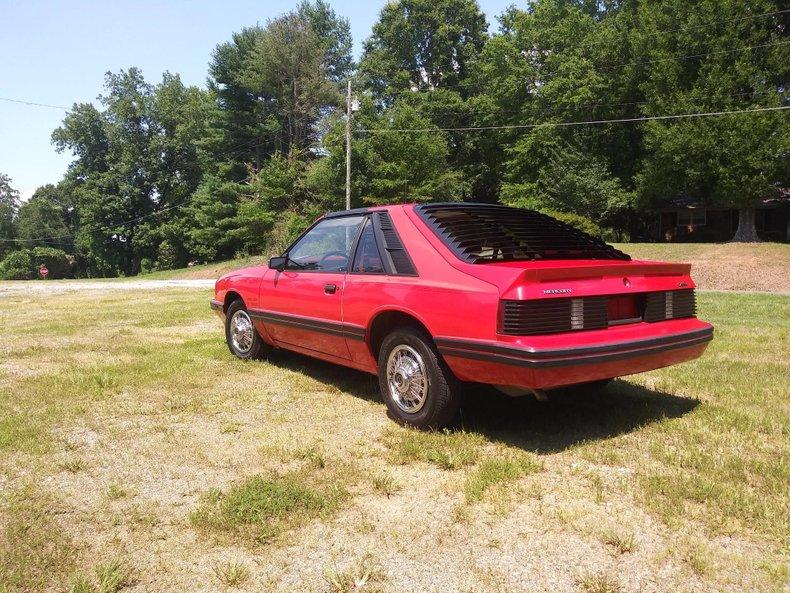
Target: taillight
<point x="548" y="316"/>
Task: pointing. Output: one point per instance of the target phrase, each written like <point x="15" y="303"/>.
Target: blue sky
<point x="57" y="53"/>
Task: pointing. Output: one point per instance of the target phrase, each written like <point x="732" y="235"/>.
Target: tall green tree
<point x="422" y="45"/>
<point x="561" y="61"/>
<point x="48" y="218"/>
<point x="9" y="206"/>
<point x="736" y="63"/>
<point x="273" y="82"/>
<point x="389" y="166"/>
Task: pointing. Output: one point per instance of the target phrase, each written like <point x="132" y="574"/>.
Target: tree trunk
<point x="747" y="232"/>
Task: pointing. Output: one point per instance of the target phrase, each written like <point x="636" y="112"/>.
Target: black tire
<point x="257" y="348"/>
<point x="441" y="398"/>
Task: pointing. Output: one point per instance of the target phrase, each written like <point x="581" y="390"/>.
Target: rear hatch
<point x="552" y="277"/>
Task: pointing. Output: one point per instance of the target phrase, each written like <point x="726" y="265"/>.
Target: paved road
<point x="60" y="286"/>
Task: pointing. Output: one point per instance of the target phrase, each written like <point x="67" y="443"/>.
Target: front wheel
<point x="416" y="384"/>
<point x="240" y="333"/>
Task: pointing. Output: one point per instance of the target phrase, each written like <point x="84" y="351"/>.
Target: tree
<point x="389" y="166"/>
<point x="48" y="218"/>
<point x="420" y="45"/>
<point x="273" y="83"/>
<point x="9" y="206"/>
<point x="574" y="182"/>
<point x="728" y="161"/>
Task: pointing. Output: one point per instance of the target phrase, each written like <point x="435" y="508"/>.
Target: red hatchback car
<point x="430" y="296"/>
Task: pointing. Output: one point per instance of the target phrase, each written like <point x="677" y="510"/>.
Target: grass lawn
<point x="136" y="454"/>
<point x="762" y="267"/>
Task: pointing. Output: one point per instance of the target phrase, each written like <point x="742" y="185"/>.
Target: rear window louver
<point x="480" y="233"/>
<point x="401" y="262"/>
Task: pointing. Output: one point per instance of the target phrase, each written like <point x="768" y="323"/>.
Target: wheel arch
<point x="384" y="321"/>
<point x="231" y="296"/>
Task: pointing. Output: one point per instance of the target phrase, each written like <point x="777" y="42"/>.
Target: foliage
<point x="48" y="218"/>
<point x="164" y="174"/>
<point x="577" y="221"/>
<point x="9" y="206"/>
<point x="18" y="265"/>
<point x="423" y="45"/>
<point x="23" y="264"/>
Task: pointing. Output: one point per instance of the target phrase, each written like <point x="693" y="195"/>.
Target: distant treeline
<point x="164" y="173"/>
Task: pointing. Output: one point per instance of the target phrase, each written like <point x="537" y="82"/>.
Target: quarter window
<point x="327" y="246"/>
<point x="368" y="258"/>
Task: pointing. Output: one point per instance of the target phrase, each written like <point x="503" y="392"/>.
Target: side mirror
<point x="278" y="263"/>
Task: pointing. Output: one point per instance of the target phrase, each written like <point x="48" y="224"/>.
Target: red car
<point x="430" y="296"/>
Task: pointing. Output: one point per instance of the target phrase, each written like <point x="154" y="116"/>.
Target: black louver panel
<point x="548" y="316"/>
<point x="673" y="304"/>
<point x="400" y="259"/>
<point x="479" y="233"/>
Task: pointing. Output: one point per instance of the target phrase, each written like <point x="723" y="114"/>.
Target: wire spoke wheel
<point x="407" y="379"/>
<point x="241" y="331"/>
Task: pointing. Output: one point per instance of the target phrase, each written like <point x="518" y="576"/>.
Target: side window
<point x="368" y="259"/>
<point x="327" y="246"/>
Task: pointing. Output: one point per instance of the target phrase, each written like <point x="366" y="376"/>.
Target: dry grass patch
<point x="599" y="582"/>
<point x="385" y="483"/>
<point x="620" y="542"/>
<point x="231" y="574"/>
<point x="36" y="553"/>
<point x="365" y="575"/>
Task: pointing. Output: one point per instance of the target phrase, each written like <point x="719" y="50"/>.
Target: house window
<point x="692" y="218"/>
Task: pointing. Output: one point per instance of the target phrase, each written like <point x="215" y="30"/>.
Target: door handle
<point x="330" y="288"/>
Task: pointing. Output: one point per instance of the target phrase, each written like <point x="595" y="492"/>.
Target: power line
<point x="570" y="123"/>
<point x="32" y="103"/>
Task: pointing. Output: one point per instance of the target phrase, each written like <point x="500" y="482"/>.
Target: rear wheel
<point x="240" y="333"/>
<point x="416" y="384"/>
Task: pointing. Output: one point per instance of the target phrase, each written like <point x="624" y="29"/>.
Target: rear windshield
<point x="480" y="233"/>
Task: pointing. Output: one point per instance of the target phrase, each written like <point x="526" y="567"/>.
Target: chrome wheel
<point x="407" y="379"/>
<point x="242" y="332"/>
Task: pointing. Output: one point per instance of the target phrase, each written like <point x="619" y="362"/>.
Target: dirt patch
<point x="763" y="267"/>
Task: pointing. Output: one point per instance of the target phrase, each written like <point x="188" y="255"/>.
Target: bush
<point x="18" y="265"/>
<point x="24" y="263"/>
<point x="58" y="262"/>
<point x="577" y="221"/>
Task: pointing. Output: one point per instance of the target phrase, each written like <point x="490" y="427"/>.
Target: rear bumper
<point x="566" y="364"/>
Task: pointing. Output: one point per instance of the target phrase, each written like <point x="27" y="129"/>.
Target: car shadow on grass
<point x="567" y="419"/>
<point x="544" y="427"/>
<point x="362" y="385"/>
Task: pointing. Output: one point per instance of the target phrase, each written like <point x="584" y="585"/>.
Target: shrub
<point x="17" y="265"/>
<point x="577" y="221"/>
<point x="23" y="264"/>
<point x="58" y="262"/>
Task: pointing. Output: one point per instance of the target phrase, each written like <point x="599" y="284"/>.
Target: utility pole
<point x="348" y="146"/>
